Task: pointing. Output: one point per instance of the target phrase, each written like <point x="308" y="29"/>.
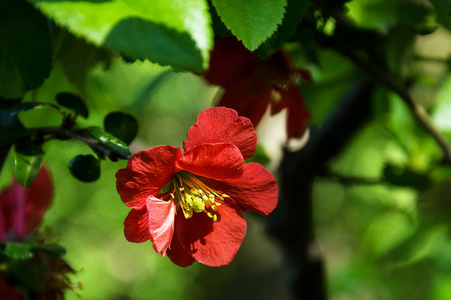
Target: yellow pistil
<point x="194" y="196"/>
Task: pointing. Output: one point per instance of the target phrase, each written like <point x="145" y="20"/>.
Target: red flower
<point x="190" y="204"/>
<point x="251" y="84"/>
<point x="22" y="209"/>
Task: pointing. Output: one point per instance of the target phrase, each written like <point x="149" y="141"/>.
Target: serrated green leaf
<point x="73" y="102"/>
<point x="18" y="251"/>
<point x="85" y="167"/>
<point x="294" y="14"/>
<point x="109" y="140"/>
<point x="175" y="33"/>
<point x="122" y="125"/>
<point x="25" y="48"/>
<point x="251" y="21"/>
<point x="26" y="166"/>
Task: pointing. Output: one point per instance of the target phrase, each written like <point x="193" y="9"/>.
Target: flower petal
<point x="179" y="255"/>
<point x="212" y="243"/>
<point x="218" y="161"/>
<point x="146" y="173"/>
<point x="38" y="198"/>
<point x="161" y="223"/>
<point x="136" y="228"/>
<point x="255" y="190"/>
<point x="298" y="117"/>
<point x="249" y="97"/>
<point x="230" y="60"/>
<point x="222" y="125"/>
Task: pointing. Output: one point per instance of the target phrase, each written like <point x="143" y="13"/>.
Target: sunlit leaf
<point x="293" y="16"/>
<point x="110" y="141"/>
<point x="19" y="251"/>
<point x="122" y="125"/>
<point x="251" y="21"/>
<point x="85" y="167"/>
<point x="25" y="48"/>
<point x="175" y="33"/>
<point x="27" y="162"/>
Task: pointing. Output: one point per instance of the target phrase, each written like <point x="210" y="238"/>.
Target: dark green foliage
<point x="85" y="167"/>
<point x="122" y="125"/>
<point x="73" y="102"/>
<point x="25" y="48"/>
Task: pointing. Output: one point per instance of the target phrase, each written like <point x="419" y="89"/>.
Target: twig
<point x="94" y="144"/>
<point x="389" y="81"/>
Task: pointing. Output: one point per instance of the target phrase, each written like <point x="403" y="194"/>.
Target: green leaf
<point x="442" y="110"/>
<point x="27" y="162"/>
<point x="122" y="125"/>
<point x="251" y="21"/>
<point x="77" y="57"/>
<point x="25" y="48"/>
<point x="294" y="15"/>
<point x="110" y="141"/>
<point x="32" y="105"/>
<point x="175" y="33"/>
<point x="18" y="251"/>
<point x="85" y="167"/>
<point x="74" y="102"/>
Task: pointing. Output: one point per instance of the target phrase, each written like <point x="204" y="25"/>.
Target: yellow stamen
<point x="194" y="196"/>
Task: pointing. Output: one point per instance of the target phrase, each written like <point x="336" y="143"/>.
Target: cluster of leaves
<point x="111" y="142"/>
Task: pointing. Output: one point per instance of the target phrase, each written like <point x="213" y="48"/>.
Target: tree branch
<point x="388" y="80"/>
<point x="292" y="222"/>
<point x="94" y="144"/>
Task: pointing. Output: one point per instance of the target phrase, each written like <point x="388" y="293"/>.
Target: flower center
<point x="194" y="196"/>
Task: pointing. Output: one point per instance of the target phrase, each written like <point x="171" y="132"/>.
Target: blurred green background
<point x="383" y="230"/>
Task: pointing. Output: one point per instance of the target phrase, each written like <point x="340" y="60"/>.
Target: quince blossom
<point x="190" y="203"/>
<point x="251" y="84"/>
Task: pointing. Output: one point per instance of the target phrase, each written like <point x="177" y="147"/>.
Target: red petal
<point x="12" y="213"/>
<point x="38" y="198"/>
<point x="136" y="224"/>
<point x="161" y="223"/>
<point x="255" y="190"/>
<point x="230" y="60"/>
<point x="249" y="97"/>
<point x="146" y="173"/>
<point x="212" y="243"/>
<point x="298" y="117"/>
<point x="222" y="125"/>
<point x="218" y="161"/>
<point x="178" y="254"/>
